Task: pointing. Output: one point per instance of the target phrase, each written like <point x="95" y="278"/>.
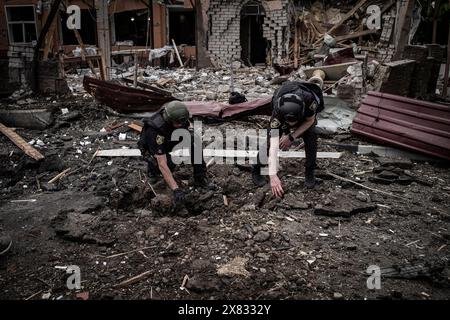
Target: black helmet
<point x="291" y="107"/>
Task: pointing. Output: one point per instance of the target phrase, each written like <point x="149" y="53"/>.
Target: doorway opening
<point x="182" y="26"/>
<point x="253" y="43"/>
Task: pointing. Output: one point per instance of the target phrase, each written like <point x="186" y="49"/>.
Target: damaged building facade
<point x="210" y="33"/>
<point x="131" y="24"/>
<point x="255" y="31"/>
<point x="77" y="190"/>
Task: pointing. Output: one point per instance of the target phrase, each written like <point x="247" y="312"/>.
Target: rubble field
<point x="237" y="242"/>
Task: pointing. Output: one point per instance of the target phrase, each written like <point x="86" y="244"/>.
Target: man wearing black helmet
<point x="295" y="106"/>
<point x="155" y="144"/>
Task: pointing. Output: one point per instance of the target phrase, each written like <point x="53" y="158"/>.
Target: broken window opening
<point x="88" y="31"/>
<point x="182" y="25"/>
<point x="253" y="43"/>
<point x="21" y="21"/>
<point x="133" y="26"/>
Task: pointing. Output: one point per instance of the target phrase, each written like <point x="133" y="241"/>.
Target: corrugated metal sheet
<point x="125" y="99"/>
<point x="405" y="123"/>
<point x="218" y="110"/>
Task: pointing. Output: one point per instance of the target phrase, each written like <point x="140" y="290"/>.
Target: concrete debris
<point x="235" y="267"/>
<point x="75" y="189"/>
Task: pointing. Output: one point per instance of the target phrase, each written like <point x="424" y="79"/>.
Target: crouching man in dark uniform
<point x="155" y="144"/>
<point x="295" y="106"/>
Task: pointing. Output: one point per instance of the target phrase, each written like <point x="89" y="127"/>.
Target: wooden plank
<point x="102" y="67"/>
<point x="59" y="175"/>
<point x="387" y="7"/>
<point x="119" y="153"/>
<point x="49" y="41"/>
<point x="83" y="53"/>
<point x="437" y="5"/>
<point x="103" y="34"/>
<point x="296" y="45"/>
<point x="404" y="24"/>
<point x="135" y="127"/>
<point x="133" y="279"/>
<point x="178" y="54"/>
<point x="221" y="153"/>
<point x="345" y="18"/>
<point x="21" y="143"/>
<point x="148" y="86"/>
<point x="356" y="35"/>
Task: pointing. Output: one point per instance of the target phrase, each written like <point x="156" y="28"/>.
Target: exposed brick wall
<point x="276" y="30"/>
<point x="224" y="29"/>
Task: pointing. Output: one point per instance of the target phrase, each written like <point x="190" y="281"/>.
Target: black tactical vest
<point x="297" y="87"/>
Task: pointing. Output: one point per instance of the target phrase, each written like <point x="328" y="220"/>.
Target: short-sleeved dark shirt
<point x="156" y="135"/>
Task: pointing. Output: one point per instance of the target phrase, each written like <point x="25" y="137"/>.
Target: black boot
<point x="153" y="172"/>
<point x="201" y="181"/>
<point x="310" y="179"/>
<point x="153" y="177"/>
<point x="257" y="178"/>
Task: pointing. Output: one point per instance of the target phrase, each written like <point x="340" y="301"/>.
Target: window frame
<point x="9" y="23"/>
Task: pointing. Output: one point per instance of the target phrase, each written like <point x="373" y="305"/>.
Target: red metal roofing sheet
<point x="406" y="123"/>
<point x="214" y="109"/>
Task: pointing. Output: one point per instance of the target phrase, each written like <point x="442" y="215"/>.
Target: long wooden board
<point x="21" y="143"/>
<point x="218" y="153"/>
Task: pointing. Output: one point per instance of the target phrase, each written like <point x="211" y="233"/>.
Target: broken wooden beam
<point x="133" y="279"/>
<point x="148" y="86"/>
<point x="135" y="127"/>
<point x="363" y="186"/>
<point x="59" y="176"/>
<point x="404" y="28"/>
<point x="356" y="35"/>
<point x="177" y="53"/>
<point x="21" y="143"/>
<point x="225" y="200"/>
<point x="83" y="52"/>
<point x="37" y="48"/>
<point x="345" y="18"/>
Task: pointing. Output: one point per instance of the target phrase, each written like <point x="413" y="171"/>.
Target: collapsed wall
<point x="224" y="30"/>
<point x="50" y="78"/>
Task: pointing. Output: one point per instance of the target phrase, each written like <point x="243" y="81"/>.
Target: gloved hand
<point x="178" y="196"/>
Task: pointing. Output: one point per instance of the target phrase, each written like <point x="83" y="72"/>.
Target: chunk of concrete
<point x="38" y="119"/>
<point x="337" y="116"/>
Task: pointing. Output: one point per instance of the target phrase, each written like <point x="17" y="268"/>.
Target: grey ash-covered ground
<point x="313" y="244"/>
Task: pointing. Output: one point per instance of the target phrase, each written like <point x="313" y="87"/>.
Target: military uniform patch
<point x="313" y="106"/>
<point x="275" y="124"/>
<point x="159" y="139"/>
